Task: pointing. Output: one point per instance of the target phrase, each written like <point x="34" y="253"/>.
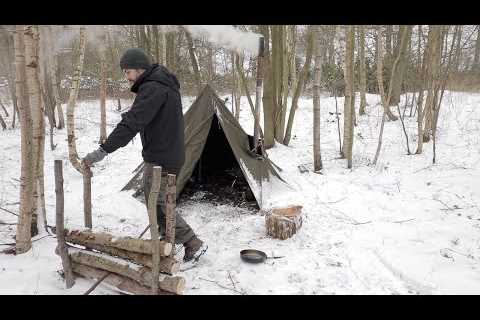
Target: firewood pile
<point x="128" y="260"/>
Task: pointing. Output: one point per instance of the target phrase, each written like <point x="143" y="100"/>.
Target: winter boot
<point x="194" y="248"/>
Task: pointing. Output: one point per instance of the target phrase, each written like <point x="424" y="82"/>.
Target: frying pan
<point x="255" y="256"/>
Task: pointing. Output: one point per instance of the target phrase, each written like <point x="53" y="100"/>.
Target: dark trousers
<point x="183" y="232"/>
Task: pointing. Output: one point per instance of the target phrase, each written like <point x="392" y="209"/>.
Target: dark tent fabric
<point x="205" y="120"/>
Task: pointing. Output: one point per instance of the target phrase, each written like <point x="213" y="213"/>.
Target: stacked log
<point x="283" y="223"/>
<point x="128" y="260"/>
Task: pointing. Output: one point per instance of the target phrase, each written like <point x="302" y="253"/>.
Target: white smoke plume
<point x="227" y="36"/>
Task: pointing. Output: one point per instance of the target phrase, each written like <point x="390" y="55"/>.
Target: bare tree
<point x="476" y="55"/>
<point x="300" y="85"/>
<point x="363" y="72"/>
<point x="317" y="157"/>
<point x="103" y="89"/>
<point x="194" y="60"/>
<point x="348" y="112"/>
<point x="72" y="148"/>
<point x="23" y="236"/>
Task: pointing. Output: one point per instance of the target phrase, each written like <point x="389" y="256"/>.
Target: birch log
<point x="139" y="274"/>
<point x="88" y="238"/>
<point x="152" y="216"/>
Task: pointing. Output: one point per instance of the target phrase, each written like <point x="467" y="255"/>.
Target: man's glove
<point x="94" y="156"/>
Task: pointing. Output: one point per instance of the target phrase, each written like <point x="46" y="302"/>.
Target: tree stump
<point x="282" y="223"/>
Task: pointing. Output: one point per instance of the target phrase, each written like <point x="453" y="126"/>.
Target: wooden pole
<point x="170" y="216"/>
<point x="261" y="52"/>
<point x="87" y="197"/>
<point x="67" y="267"/>
<point x="152" y="215"/>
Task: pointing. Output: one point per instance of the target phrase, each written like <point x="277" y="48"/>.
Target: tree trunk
<point x="268" y="94"/>
<point x="60" y="227"/>
<point x="38" y="124"/>
<point x="72" y="148"/>
<point x="348" y="126"/>
<point x="476" y="56"/>
<point x="2" y="122"/>
<point x="317" y="157"/>
<point x="194" y="61"/>
<point x="55" y="82"/>
<point x="103" y="96"/>
<point x="363" y="74"/>
<point x="434" y="40"/>
<point x="23" y="236"/>
<point x="300" y="86"/>
<point x="401" y="64"/>
<point x="170" y="51"/>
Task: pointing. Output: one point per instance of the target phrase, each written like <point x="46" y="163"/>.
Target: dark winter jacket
<point x="157" y="114"/>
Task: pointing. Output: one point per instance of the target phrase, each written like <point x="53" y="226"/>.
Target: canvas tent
<point x="213" y="141"/>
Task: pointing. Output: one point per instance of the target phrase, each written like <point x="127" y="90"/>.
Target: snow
<point x="404" y="226"/>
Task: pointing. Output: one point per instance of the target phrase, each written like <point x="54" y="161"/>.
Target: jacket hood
<point x="159" y="74"/>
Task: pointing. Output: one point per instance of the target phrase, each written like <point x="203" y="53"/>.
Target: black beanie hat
<point x="135" y="58"/>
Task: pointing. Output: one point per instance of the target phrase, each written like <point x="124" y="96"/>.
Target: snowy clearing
<point x="404" y="226"/>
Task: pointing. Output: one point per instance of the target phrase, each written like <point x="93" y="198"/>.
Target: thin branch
<point x="221" y="286"/>
<point x="9" y="211"/>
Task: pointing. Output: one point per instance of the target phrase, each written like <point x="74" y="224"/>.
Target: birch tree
<point x="72" y="147"/>
<point x="362" y="71"/>
<point x="23" y="235"/>
<point x="317" y="157"/>
<point x="348" y="112"/>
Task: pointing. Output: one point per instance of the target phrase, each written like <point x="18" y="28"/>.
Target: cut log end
<point x="283" y="223"/>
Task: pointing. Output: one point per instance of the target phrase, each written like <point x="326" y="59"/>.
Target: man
<point x="157" y="114"/>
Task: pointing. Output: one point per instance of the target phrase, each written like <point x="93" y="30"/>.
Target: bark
<point x="60" y="231"/>
<point x="170" y="214"/>
<point x="348" y="127"/>
<point x="363" y="72"/>
<point x="140" y="274"/>
<point x="53" y="64"/>
<point x="87" y="197"/>
<point x="23" y="236"/>
<point x="88" y="238"/>
<point x="268" y="95"/>
<point x="2" y="122"/>
<point x="170" y="51"/>
<point x="317" y="157"/>
<point x="194" y="61"/>
<point x="476" y="56"/>
<point x="283" y="223"/>
<point x="434" y="39"/>
<point x="152" y="217"/>
<point x="124" y="285"/>
<point x="36" y="105"/>
<point x="4" y="109"/>
<point x="299" y="86"/>
<point x="72" y="148"/>
<point x="399" y="70"/>
<point x="103" y="96"/>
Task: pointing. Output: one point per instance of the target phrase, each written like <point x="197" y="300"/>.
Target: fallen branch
<point x="402" y="221"/>
<point x="221" y="286"/>
<point x="9" y="211"/>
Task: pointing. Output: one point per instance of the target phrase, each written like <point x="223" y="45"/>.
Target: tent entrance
<point x="217" y="177"/>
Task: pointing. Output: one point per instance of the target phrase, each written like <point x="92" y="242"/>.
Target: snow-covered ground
<point x="404" y="226"/>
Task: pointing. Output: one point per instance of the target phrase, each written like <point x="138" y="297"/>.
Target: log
<point x="283" y="223"/>
<point x="87" y="237"/>
<point x="124" y="285"/>
<point x="152" y="217"/>
<point x="167" y="265"/>
<point x="171" y="195"/>
<point x="140" y="274"/>
<point x="62" y="247"/>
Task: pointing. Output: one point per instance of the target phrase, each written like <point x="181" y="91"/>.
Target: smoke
<point x="227" y="36"/>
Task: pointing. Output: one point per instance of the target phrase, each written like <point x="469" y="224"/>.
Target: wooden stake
<point x="152" y="216"/>
<point x="87" y="197"/>
<point x="67" y="268"/>
<point x="171" y="194"/>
